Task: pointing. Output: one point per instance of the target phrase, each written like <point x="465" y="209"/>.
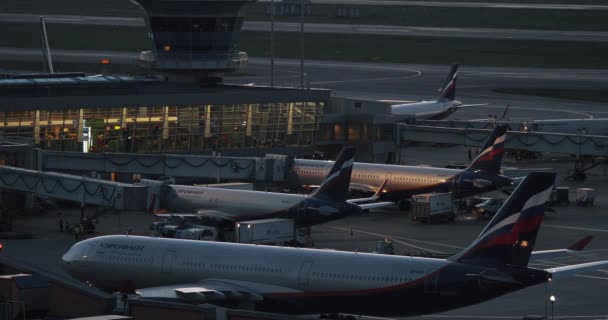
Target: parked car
<point x="488" y="207"/>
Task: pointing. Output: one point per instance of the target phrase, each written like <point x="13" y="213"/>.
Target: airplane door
<point x="167" y="263"/>
<point x="304" y="276"/>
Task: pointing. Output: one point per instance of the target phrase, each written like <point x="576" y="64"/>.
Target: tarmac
<point x="581" y="297"/>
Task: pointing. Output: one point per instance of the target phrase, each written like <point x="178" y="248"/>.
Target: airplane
<point x="482" y="175"/>
<point x="329" y="202"/>
<point x="433" y="110"/>
<point x="312" y="281"/>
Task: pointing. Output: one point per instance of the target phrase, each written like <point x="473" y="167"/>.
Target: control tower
<point x="194" y="39"/>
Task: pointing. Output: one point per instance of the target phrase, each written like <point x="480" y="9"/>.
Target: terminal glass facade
<point x="168" y="128"/>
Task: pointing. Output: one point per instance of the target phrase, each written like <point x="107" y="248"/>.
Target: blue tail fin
<point x="510" y="236"/>
<point x="449" y="88"/>
<point x="489" y="158"/>
<point x="335" y="185"/>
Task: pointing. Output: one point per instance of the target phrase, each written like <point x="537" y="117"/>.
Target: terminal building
<point x="180" y="103"/>
<point x="126" y="114"/>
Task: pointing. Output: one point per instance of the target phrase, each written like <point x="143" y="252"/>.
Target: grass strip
<point x="538" y="19"/>
<point x="487" y="52"/>
<point x="78" y="37"/>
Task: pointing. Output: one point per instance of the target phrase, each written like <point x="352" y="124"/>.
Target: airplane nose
<point x="69" y="259"/>
<point x="66" y="262"/>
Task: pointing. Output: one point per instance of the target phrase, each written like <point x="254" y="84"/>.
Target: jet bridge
<point x="268" y="169"/>
<point x="120" y="196"/>
<point x="575" y="144"/>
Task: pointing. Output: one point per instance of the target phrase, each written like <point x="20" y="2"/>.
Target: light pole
<point x="272" y="43"/>
<point x="302" y="44"/>
<point x="552" y="299"/>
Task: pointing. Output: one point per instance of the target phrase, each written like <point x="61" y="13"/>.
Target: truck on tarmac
<point x="431" y="207"/>
<point x="182" y="227"/>
<point x="267" y="231"/>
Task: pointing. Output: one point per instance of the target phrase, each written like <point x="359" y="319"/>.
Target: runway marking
<point x="590" y="277"/>
<point x="545" y="262"/>
<point x="578" y="113"/>
<point x="387" y="237"/>
<point x="385" y="30"/>
<point x="429" y="242"/>
<point x="418" y="73"/>
<point x="397" y="101"/>
<point x="575" y="228"/>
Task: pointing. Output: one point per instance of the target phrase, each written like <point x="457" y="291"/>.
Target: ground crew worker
<point x="76" y="232"/>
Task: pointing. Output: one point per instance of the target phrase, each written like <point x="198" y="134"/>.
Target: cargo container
<point x="429" y="207"/>
<point x="585" y="196"/>
<point x="266" y="231"/>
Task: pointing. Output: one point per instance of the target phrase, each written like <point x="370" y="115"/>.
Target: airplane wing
<point x="565" y="271"/>
<point x="374" y="205"/>
<point x="473" y="105"/>
<point x="362" y="187"/>
<point x="575" y="248"/>
<point x="212" y="290"/>
<point x="375" y="197"/>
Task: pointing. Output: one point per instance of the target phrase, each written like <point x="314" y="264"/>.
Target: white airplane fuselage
<point x="425" y="110"/>
<point x="240" y="205"/>
<point x="246" y="203"/>
<point x="290" y="280"/>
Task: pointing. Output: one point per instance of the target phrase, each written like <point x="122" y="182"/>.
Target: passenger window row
<point x="244" y="268"/>
<point x="370" y="176"/>
<point x="127" y="259"/>
<point x="386" y="278"/>
<point x="400" y="178"/>
<point x="310" y="172"/>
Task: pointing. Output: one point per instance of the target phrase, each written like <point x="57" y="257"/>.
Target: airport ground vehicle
<point x="176" y="226"/>
<point x="430" y="207"/>
<point x="266" y="231"/>
<point x="585" y="196"/>
<point x="488" y="207"/>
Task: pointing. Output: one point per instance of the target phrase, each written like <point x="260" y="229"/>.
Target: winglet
<point x="375" y="197"/>
<point x="581" y="244"/>
<point x="380" y="190"/>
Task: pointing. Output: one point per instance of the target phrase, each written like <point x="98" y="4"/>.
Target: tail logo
<point x="509" y="237"/>
<point x="496" y="149"/>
